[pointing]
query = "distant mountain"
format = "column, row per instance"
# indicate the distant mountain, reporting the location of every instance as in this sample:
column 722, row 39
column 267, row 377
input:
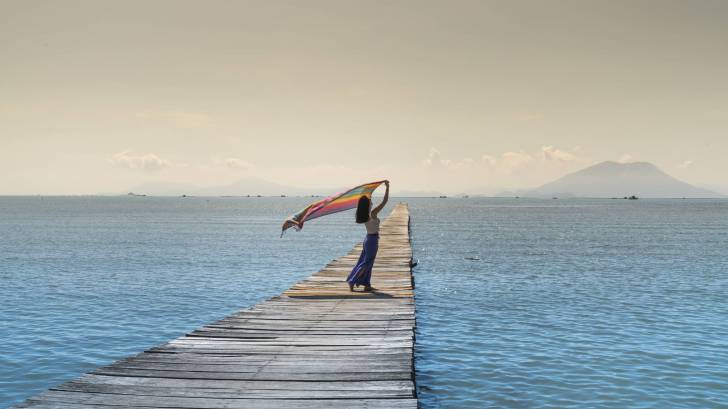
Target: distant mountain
column 245, row 186
column 612, row 179
column 722, row 189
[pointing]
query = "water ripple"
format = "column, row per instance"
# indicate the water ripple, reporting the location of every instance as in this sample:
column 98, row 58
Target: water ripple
column 589, row 304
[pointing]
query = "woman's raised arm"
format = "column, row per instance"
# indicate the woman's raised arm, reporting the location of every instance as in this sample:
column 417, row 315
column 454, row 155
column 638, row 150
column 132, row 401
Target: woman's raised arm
column 377, row 209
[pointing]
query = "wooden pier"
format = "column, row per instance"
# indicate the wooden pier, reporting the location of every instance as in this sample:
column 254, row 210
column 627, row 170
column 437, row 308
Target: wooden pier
column 315, row 346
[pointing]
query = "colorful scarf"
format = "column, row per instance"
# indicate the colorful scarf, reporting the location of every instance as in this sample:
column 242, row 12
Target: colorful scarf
column 332, row 204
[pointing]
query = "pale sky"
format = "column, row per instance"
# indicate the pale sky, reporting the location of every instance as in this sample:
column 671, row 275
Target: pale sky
column 453, row 96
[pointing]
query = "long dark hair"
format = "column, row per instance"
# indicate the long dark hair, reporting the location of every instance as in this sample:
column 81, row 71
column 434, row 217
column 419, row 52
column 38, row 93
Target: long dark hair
column 362, row 209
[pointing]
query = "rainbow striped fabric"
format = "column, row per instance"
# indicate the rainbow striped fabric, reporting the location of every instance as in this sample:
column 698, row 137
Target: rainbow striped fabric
column 332, row 204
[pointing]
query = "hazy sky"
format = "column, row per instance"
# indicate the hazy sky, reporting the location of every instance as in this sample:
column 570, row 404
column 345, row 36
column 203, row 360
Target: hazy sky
column 478, row 96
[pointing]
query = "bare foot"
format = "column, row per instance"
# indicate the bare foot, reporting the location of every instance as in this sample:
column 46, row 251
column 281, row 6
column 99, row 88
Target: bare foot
column 351, row 287
column 368, row 288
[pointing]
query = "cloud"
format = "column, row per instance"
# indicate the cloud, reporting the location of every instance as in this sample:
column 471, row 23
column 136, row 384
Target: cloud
column 434, row 159
column 178, row 119
column 626, row 158
column 228, row 163
column 686, row 164
column 488, row 160
column 514, row 160
column 551, row 153
column 142, row 161
column 235, row 163
column 506, row 162
column 495, row 171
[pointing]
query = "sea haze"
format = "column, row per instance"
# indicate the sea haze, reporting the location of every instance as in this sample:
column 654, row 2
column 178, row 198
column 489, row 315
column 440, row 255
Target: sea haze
column 520, row 302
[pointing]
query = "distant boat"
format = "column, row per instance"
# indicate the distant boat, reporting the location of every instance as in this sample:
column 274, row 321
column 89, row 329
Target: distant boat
column 134, row 194
column 443, row 197
column 283, row 195
column 473, row 258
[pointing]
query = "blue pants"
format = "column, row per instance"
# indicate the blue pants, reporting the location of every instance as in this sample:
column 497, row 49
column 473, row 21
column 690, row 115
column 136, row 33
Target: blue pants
column 361, row 274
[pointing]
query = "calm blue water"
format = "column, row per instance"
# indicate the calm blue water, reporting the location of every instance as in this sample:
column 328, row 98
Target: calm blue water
column 571, row 303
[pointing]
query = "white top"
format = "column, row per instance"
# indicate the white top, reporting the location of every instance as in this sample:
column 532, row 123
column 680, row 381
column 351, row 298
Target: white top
column 372, row 225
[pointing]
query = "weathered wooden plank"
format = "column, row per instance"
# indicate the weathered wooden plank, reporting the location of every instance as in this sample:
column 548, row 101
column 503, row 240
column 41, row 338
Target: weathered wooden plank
column 271, row 359
column 405, row 386
column 64, row 400
column 315, row 346
column 243, row 376
column 311, row 368
column 233, row 393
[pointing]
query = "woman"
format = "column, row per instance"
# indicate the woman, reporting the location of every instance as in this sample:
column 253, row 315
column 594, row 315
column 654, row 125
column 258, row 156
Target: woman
column 362, row 272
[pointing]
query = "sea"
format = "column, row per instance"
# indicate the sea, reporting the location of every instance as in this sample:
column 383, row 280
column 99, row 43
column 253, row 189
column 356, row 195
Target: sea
column 521, row 303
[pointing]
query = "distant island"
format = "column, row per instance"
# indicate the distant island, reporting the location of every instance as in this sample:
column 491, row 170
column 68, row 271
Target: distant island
column 614, row 179
column 251, row 187
column 605, row 179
